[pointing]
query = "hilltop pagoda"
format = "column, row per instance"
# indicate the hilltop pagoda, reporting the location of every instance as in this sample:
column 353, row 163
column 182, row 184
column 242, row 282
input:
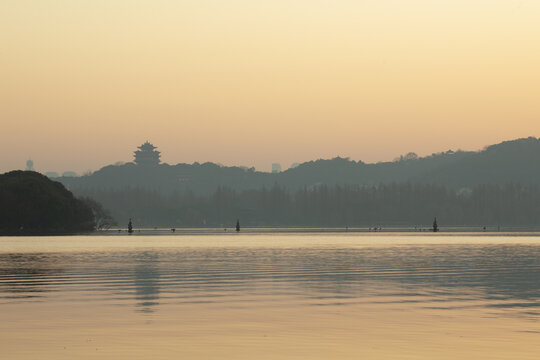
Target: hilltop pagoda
column 147, row 155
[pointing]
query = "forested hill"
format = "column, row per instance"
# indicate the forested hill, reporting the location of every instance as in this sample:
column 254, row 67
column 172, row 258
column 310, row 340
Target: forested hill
column 516, row 161
column 32, row 204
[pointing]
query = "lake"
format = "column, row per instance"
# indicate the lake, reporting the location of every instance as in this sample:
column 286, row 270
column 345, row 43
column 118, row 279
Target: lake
column 271, row 296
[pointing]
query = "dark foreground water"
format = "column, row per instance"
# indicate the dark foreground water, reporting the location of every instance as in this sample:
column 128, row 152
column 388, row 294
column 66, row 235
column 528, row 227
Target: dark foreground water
column 281, row 296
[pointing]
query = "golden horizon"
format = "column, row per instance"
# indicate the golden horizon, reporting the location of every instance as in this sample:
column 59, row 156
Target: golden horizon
column 243, row 83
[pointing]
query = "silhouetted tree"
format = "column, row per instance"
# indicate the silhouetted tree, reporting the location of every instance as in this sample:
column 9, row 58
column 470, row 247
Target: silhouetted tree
column 102, row 217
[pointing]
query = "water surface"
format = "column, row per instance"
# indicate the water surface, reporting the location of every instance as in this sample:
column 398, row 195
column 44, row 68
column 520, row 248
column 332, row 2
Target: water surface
column 271, row 296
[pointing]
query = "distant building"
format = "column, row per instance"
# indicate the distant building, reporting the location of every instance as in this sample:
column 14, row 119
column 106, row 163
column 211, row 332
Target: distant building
column 69, row 174
column 276, row 168
column 294, row 165
column 30, row 165
column 51, row 174
column 147, row 155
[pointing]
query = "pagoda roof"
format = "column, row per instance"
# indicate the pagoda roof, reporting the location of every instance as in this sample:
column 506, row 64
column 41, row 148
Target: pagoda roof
column 147, row 146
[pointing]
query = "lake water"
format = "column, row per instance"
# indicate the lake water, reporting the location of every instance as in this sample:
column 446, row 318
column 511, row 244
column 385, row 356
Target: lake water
column 271, row 296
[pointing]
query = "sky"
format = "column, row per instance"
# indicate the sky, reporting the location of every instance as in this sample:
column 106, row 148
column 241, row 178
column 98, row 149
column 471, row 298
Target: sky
column 243, row 82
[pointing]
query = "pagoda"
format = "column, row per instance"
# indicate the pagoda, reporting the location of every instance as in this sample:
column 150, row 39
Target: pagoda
column 147, row 155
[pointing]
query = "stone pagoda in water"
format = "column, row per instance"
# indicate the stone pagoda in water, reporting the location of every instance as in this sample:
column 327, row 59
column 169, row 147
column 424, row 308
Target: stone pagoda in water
column 147, row 155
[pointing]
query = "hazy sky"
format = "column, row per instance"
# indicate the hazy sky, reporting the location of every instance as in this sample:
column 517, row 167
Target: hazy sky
column 84, row 82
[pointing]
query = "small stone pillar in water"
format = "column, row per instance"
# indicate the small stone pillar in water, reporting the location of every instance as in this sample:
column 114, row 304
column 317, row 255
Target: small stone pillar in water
column 435, row 226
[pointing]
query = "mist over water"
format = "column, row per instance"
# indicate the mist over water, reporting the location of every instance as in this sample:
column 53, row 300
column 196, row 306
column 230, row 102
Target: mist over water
column 300, row 295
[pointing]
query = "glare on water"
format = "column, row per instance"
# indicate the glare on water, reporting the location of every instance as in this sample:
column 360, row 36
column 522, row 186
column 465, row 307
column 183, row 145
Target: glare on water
column 270, row 296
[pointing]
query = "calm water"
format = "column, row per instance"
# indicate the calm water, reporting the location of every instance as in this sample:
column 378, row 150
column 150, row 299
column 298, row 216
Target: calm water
column 281, row 296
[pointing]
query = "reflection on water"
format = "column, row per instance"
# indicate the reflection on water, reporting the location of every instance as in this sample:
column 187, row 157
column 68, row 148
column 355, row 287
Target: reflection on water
column 146, row 280
column 496, row 273
column 265, row 289
column 27, row 275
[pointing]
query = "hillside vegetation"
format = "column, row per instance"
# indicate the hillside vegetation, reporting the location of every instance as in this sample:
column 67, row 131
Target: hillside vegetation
column 516, row 161
column 32, row 204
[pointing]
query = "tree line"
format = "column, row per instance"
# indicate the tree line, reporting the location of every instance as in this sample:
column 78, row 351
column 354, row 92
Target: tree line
column 404, row 204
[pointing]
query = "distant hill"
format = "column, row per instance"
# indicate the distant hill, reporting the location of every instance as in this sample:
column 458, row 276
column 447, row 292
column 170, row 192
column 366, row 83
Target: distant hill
column 516, row 161
column 32, row 204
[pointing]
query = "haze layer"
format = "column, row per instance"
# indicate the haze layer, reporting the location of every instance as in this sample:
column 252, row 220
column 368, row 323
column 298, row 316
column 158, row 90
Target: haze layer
column 82, row 83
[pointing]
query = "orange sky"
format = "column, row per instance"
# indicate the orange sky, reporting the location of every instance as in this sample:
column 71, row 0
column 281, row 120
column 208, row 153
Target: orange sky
column 241, row 82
